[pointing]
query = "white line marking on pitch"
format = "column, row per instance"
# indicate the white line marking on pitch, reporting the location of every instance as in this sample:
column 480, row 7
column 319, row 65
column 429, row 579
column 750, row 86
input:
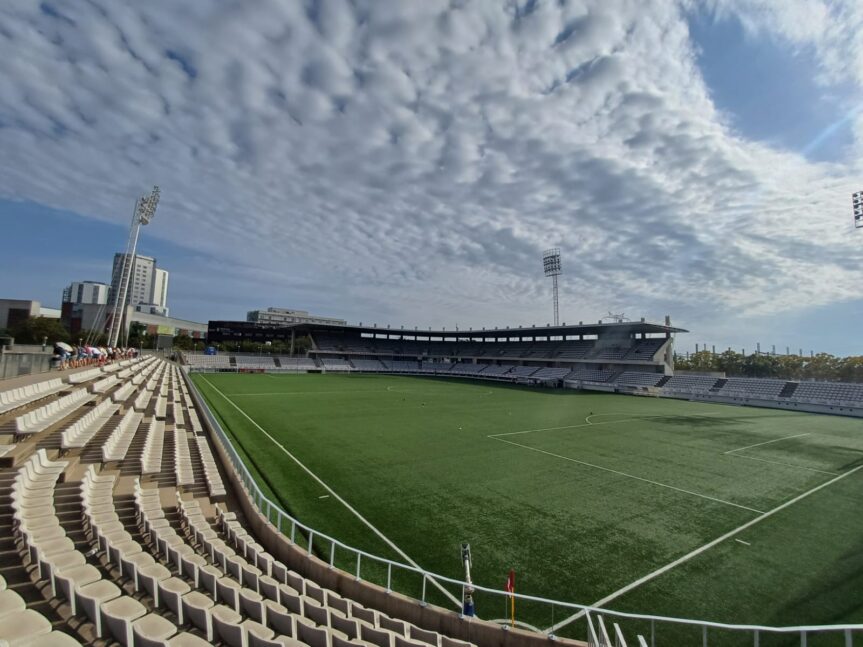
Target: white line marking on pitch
column 766, row 442
column 587, row 422
column 745, row 543
column 303, row 392
column 347, row 505
column 631, row 476
column 700, row 550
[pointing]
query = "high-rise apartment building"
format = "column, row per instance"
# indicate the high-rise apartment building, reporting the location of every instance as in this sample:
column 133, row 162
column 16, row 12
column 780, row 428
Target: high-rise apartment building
column 148, row 285
column 94, row 292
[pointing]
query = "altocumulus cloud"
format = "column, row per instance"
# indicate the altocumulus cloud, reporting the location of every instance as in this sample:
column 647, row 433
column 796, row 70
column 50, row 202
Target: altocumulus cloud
column 414, row 158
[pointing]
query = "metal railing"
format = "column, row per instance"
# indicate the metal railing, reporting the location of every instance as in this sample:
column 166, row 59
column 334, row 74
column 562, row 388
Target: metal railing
column 327, row 545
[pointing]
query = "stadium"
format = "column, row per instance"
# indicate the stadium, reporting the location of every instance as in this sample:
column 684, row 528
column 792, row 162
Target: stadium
column 173, row 475
column 383, row 488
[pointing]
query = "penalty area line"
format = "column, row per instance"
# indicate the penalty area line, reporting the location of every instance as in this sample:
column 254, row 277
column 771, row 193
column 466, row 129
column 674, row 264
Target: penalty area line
column 698, row 551
column 767, row 442
column 336, row 496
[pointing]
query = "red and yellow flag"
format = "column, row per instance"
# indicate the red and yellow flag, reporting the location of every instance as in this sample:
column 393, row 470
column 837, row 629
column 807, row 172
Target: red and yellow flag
column 510, row 588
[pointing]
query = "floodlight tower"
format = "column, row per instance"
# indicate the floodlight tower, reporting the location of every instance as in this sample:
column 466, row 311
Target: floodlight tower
column 145, row 209
column 551, row 266
column 857, row 206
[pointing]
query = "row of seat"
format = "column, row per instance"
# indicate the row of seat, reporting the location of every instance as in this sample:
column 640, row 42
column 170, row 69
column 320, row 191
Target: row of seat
column 84, row 376
column 50, row 413
column 118, row 442
column 182, row 457
column 36, row 524
column 22, row 396
column 101, row 386
column 151, row 455
column 211, row 469
column 82, row 431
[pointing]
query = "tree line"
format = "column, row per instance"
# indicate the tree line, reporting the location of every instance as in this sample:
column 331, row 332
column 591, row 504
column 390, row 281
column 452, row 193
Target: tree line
column 822, row 366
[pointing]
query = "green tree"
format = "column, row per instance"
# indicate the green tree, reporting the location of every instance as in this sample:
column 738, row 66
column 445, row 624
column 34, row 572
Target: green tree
column 183, row 342
column 821, row 367
column 35, row 329
column 851, row 369
column 731, row 362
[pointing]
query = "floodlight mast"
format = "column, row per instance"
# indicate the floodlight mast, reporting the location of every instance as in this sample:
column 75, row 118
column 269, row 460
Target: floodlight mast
column 142, row 214
column 551, row 267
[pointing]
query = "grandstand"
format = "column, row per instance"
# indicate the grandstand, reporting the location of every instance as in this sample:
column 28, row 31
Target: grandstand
column 632, row 357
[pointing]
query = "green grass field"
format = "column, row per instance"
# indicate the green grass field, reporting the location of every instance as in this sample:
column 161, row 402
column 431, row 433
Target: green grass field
column 581, row 494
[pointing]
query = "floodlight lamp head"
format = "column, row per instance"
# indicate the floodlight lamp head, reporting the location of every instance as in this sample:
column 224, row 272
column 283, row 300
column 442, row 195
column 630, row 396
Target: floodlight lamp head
column 551, row 262
column 857, row 203
column 147, row 206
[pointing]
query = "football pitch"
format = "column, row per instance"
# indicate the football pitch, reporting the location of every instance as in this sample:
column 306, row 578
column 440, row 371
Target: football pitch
column 645, row 505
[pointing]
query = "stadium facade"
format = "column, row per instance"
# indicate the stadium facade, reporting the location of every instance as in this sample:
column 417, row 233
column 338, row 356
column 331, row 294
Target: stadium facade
column 600, row 349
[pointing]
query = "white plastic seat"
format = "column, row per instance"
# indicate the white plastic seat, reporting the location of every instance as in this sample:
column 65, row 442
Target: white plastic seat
column 23, row 625
column 196, row 609
column 152, row 630
column 228, row 592
column 90, row 598
column 252, row 605
column 51, row 639
column 68, row 580
column 149, row 578
column 223, row 620
column 187, row 640
column 10, row 602
column 312, row 636
column 424, row 635
column 379, row 637
column 118, row 616
column 170, row 591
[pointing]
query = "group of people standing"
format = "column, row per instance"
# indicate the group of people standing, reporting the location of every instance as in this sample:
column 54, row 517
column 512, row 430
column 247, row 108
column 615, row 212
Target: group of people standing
column 67, row 356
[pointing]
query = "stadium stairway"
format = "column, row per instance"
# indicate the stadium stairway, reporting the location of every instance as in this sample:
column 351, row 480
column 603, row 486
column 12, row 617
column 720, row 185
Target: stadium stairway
column 719, row 384
column 789, row 389
column 662, row 382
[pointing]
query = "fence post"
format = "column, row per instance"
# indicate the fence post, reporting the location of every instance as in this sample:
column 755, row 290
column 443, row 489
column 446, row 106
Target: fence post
column 389, row 577
column 332, row 552
column 423, row 600
column 756, row 638
column 359, row 556
column 311, row 538
column 293, row 531
column 848, row 639
column 803, row 638
column 652, row 632
column 704, row 635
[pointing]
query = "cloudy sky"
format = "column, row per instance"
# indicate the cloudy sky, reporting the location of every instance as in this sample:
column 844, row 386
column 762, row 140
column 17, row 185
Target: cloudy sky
column 406, row 162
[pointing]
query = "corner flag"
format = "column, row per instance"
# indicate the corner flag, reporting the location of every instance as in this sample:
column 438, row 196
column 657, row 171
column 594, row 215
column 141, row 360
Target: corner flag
column 510, row 588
